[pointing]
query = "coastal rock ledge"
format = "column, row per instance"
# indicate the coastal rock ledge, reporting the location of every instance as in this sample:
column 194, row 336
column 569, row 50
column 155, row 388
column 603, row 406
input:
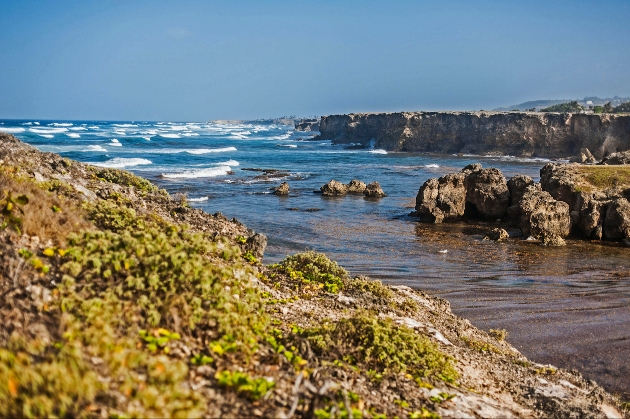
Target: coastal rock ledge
column 509, row 133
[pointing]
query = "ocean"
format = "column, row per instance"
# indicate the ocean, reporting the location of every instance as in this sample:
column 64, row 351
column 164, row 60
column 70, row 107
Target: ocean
column 568, row 306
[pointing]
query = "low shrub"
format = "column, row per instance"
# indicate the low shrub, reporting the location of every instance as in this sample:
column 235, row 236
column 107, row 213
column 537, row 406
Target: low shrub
column 311, row 267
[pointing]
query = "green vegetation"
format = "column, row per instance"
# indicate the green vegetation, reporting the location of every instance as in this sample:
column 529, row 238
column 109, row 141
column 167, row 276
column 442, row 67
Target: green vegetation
column 382, row 346
column 314, row 268
column 570, row 107
column 623, row 108
column 255, row 388
column 374, row 287
column 605, row 177
column 481, row 346
column 498, row 334
column 122, row 177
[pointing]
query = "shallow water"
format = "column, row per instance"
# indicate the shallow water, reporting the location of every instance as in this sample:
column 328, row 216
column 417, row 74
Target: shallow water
column 565, row 306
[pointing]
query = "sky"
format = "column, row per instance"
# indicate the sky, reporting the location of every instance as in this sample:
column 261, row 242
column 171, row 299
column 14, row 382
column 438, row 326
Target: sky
column 186, row 60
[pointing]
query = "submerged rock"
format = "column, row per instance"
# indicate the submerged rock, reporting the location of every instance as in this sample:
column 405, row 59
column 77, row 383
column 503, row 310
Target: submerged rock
column 283, row 189
column 497, row 234
column 374, row 190
column 333, row 188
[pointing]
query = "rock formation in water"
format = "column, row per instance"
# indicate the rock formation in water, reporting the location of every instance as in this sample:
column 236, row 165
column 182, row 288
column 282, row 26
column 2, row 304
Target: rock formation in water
column 283, row 189
column 588, row 201
column 307, row 125
column 507, row 133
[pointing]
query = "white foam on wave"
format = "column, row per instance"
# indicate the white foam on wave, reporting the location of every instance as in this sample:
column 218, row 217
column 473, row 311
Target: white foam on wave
column 47, row 135
column 45, row 130
column 95, row 148
column 12, row 130
column 94, row 127
column 190, row 134
column 121, row 162
column 147, row 138
column 170, row 135
column 432, row 166
column 63, row 124
column 78, row 129
column 200, row 199
column 125, row 125
column 289, row 145
column 120, row 132
column 73, row 135
column 209, row 150
column 27, row 123
column 194, row 174
column 378, row 151
column 228, row 163
column 115, row 143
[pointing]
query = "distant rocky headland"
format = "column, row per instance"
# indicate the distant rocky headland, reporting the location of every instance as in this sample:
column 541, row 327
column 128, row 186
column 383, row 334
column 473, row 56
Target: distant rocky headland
column 528, row 134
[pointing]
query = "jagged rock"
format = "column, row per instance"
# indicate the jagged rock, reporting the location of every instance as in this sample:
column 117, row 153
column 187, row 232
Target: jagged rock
column 542, row 217
column 442, row 199
column 355, row 186
column 334, row 187
column 617, row 221
column 283, row 189
column 589, row 156
column 497, row 234
column 257, row 243
column 373, row 190
column 560, row 181
column 517, row 186
column 580, row 158
column 474, row 167
column 622, row 157
column 487, row 194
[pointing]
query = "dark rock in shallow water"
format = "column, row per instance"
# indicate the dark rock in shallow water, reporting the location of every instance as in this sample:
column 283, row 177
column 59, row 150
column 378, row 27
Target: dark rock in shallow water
column 283, row 189
column 355, row 186
column 497, row 234
column 373, row 190
column 543, row 218
column 443, row 199
column 487, row 194
column 617, row 221
column 334, row 188
column 517, row 186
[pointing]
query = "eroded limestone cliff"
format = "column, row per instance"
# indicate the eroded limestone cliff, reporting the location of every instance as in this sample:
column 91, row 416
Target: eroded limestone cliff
column 509, row 133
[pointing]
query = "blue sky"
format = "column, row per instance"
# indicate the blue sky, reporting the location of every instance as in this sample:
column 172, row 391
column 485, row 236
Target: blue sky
column 237, row 59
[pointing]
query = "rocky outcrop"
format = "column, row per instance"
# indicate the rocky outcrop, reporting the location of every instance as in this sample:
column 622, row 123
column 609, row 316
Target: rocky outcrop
column 487, row 193
column 617, row 221
column 333, row 188
column 374, row 190
column 443, row 199
column 517, row 186
column 617, row 158
column 476, row 192
column 283, row 189
column 307, row 125
column 510, row 133
column 584, row 156
column 355, row 186
column 542, row 217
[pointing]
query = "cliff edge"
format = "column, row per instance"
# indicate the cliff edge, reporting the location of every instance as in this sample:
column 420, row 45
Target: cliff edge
column 528, row 134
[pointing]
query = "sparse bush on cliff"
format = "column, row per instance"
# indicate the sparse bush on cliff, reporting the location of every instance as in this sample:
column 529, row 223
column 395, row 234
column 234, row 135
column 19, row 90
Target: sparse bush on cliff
column 311, row 267
column 623, row 108
column 571, row 107
column 381, row 345
column 122, row 177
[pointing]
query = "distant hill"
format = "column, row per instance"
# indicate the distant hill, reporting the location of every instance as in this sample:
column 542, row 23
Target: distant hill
column 586, row 102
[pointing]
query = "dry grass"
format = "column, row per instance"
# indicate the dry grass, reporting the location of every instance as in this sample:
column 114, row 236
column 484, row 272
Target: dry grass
column 606, row 177
column 27, row 209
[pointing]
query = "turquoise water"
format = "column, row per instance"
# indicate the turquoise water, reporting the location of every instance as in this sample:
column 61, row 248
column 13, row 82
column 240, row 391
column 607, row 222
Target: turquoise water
column 568, row 306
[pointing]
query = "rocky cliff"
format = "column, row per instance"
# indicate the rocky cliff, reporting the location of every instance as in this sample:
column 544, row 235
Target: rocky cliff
column 508, row 133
